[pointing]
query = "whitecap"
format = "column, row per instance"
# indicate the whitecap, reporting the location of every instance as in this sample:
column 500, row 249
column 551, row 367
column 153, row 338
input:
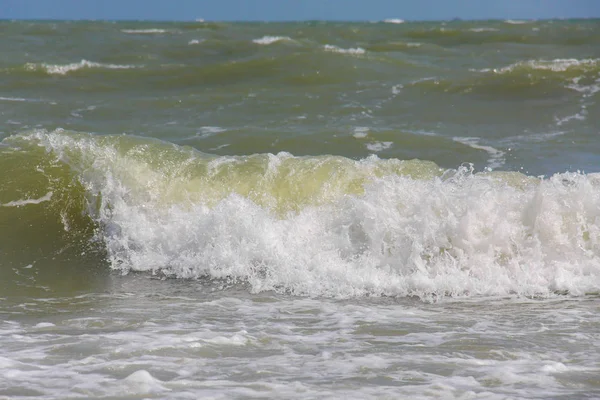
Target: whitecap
column 266, row 40
column 142, row 382
column 62, row 69
column 144, row 31
column 484, row 30
column 12, row 99
column 352, row 51
column 556, row 65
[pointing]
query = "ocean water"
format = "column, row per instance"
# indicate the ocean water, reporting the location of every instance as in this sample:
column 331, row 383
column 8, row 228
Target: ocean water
column 300, row 210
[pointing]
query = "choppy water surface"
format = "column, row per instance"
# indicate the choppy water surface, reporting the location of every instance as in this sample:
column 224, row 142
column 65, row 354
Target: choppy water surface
column 300, row 210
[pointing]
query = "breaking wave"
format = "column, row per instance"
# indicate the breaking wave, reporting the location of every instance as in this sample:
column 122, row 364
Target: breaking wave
column 323, row 226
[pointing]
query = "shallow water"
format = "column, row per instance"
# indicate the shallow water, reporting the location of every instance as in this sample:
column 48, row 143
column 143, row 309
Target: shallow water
column 152, row 338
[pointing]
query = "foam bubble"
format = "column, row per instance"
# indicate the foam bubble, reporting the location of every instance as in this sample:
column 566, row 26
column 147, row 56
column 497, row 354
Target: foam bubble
column 393, row 21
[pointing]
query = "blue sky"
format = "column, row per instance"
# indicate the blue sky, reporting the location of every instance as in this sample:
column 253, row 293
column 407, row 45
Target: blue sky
column 285, row 10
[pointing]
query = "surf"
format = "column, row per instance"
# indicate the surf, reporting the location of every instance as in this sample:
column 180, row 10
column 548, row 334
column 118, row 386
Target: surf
column 327, row 225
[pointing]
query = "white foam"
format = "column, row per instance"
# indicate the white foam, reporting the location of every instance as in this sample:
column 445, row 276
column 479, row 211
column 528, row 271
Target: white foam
column 580, row 116
column 12, row 99
column 24, row 202
column 396, row 89
column 142, row 382
column 516, row 22
column 361, row 132
column 535, row 137
column 266, row 40
column 556, row 65
column 393, row 21
column 352, row 51
column 206, row 131
column 62, row 69
column 586, row 90
column 45, row 325
column 496, row 159
column 195, row 41
column 378, row 146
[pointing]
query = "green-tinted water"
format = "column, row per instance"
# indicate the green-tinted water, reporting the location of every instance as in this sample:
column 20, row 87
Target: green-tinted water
column 299, row 210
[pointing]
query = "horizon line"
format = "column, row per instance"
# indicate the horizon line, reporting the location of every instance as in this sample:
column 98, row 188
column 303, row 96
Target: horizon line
column 400, row 21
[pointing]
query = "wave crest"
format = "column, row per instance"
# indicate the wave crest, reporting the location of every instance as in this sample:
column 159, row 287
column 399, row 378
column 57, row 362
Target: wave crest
column 63, row 69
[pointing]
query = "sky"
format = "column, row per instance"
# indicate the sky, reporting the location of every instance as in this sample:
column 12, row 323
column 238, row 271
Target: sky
column 286, row 10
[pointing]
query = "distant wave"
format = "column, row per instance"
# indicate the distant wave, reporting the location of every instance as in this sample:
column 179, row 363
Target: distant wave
column 266, row 40
column 62, row 69
column 516, row 22
column 484, row 30
column 353, row 51
column 393, row 21
column 144, row 31
column 557, row 65
column 12, row 99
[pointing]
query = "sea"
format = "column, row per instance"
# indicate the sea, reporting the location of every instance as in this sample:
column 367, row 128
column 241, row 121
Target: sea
column 300, row 210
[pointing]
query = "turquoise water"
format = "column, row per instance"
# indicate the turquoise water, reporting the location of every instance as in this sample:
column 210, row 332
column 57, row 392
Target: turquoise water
column 299, row 210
